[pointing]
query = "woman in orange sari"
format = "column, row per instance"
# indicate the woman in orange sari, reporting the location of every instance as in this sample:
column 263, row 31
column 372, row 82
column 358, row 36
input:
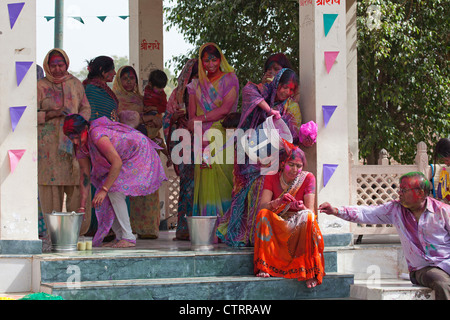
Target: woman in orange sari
column 288, row 241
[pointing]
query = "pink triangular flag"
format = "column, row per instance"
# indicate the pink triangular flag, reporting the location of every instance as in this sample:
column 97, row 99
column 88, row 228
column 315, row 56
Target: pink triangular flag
column 14, row 10
column 327, row 113
column 16, row 113
column 330, row 57
column 22, row 68
column 14, row 158
column 328, row 171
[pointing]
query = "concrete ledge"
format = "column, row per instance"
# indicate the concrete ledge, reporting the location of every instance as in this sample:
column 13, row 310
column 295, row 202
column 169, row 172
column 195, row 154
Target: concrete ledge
column 338, row 239
column 20, row 246
column 389, row 289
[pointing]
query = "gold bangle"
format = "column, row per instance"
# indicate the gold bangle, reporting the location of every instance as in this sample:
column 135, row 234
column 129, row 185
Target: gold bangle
column 105, row 189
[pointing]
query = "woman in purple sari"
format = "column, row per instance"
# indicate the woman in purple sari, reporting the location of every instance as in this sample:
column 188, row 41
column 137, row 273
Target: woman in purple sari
column 124, row 163
column 274, row 98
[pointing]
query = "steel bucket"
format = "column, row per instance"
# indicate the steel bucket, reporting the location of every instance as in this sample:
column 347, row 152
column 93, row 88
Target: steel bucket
column 64, row 229
column 202, row 232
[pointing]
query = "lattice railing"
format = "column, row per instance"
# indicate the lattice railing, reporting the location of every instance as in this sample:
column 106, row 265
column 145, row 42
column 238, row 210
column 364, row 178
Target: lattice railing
column 378, row 184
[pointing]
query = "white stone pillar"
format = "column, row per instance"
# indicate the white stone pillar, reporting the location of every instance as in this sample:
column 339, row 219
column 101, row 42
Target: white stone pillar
column 18, row 188
column 320, row 87
column 146, row 37
column 146, row 54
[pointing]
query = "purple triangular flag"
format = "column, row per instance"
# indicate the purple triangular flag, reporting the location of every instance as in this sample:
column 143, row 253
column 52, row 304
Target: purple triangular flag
column 328, row 171
column 327, row 113
column 22, row 68
column 15, row 114
column 14, row 10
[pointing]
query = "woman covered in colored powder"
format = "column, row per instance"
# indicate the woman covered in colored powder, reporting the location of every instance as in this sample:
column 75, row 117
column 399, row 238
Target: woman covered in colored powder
column 175, row 118
column 59, row 94
column 211, row 97
column 273, row 98
column 124, row 163
column 288, row 241
column 144, row 210
column 104, row 102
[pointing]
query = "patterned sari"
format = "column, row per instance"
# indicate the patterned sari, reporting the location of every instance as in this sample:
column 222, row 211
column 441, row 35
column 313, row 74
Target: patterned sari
column 213, row 181
column 144, row 210
column 237, row 226
column 141, row 174
column 184, row 170
column 289, row 244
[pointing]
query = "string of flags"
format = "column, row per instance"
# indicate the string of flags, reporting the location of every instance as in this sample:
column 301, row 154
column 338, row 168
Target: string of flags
column 22, row 67
column 328, row 110
column 80, row 19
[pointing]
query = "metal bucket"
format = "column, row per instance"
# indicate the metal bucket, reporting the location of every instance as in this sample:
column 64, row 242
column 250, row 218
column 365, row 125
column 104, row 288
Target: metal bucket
column 202, row 232
column 64, row 229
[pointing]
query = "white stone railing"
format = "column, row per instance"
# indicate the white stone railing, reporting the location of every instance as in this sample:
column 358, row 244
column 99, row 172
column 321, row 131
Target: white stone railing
column 378, row 184
column 369, row 185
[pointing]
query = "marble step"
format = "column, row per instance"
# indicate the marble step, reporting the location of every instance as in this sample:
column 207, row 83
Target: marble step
column 334, row 285
column 389, row 289
column 149, row 264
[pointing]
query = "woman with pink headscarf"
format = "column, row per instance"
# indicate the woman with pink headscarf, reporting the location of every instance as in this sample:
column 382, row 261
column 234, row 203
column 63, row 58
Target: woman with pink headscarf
column 59, row 94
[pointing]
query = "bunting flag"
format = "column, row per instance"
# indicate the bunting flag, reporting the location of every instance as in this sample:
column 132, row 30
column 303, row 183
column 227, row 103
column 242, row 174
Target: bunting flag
column 22, row 68
column 14, row 10
column 327, row 113
column 14, row 158
column 328, row 171
column 328, row 21
column 15, row 114
column 80, row 19
column 330, row 58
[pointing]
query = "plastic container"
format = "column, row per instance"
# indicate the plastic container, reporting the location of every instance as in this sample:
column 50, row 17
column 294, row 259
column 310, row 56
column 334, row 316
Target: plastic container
column 266, row 136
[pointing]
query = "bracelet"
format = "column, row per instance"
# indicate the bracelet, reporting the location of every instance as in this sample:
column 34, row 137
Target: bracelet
column 105, row 189
column 205, row 117
column 81, row 208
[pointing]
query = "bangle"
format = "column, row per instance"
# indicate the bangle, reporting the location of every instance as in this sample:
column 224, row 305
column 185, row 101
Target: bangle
column 205, row 117
column 105, row 189
column 81, row 209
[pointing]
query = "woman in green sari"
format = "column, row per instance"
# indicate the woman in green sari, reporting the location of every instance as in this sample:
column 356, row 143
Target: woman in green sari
column 211, row 97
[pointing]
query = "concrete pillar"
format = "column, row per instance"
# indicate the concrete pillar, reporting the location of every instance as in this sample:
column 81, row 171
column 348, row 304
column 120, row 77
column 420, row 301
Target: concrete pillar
column 146, row 37
column 18, row 189
column 319, row 88
column 146, row 54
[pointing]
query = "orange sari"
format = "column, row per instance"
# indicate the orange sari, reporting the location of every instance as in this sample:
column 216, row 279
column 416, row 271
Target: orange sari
column 289, row 245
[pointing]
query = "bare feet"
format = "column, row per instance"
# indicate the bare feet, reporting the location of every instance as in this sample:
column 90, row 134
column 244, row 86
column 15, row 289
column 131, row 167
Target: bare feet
column 110, row 244
column 311, row 283
column 123, row 244
column 262, row 274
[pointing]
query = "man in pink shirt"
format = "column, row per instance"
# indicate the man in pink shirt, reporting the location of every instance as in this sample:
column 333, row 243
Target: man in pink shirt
column 423, row 225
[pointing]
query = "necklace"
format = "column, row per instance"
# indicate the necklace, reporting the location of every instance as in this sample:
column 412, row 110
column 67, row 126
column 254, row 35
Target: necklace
column 284, row 181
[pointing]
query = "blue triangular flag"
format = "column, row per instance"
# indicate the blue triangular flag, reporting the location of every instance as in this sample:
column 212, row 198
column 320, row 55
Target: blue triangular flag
column 328, row 21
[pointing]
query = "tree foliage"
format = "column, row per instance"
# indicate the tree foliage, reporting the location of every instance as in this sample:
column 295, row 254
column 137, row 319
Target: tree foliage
column 403, row 68
column 247, row 31
column 403, row 76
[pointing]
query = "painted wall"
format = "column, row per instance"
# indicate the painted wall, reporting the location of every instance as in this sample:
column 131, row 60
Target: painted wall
column 18, row 189
column 320, row 87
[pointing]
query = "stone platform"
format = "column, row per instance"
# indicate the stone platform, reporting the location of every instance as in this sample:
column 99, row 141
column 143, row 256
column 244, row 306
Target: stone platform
column 166, row 269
